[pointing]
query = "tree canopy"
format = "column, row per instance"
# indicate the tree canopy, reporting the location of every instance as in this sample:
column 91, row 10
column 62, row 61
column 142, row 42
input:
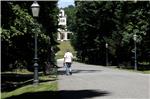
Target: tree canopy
column 18, row 28
column 114, row 23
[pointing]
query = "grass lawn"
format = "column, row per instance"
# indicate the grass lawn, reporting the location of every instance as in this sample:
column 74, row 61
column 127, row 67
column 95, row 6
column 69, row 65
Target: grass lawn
column 139, row 71
column 146, row 72
column 42, row 87
column 47, row 87
column 64, row 45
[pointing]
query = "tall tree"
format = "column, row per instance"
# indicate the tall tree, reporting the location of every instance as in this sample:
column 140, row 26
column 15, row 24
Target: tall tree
column 70, row 12
column 18, row 28
column 115, row 23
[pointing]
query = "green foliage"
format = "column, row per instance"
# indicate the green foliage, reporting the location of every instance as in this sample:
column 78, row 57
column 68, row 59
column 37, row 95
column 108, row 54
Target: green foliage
column 115, row 23
column 70, row 12
column 18, row 30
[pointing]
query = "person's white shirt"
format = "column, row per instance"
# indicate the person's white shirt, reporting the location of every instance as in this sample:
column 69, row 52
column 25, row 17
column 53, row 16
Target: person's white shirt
column 68, row 57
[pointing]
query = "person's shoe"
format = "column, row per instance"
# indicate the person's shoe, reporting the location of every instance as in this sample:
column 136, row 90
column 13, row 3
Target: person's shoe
column 70, row 73
column 67, row 74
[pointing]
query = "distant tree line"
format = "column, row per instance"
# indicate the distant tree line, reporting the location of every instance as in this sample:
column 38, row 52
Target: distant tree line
column 17, row 34
column 100, row 22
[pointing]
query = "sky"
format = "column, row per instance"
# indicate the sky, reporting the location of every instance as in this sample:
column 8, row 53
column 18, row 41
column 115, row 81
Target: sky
column 65, row 3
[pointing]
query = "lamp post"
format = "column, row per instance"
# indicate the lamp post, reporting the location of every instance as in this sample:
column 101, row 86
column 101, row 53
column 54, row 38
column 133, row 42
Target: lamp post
column 135, row 51
column 35, row 11
column 106, row 45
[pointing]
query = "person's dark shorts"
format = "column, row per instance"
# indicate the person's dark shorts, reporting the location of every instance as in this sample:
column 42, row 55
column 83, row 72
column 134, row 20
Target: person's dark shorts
column 68, row 64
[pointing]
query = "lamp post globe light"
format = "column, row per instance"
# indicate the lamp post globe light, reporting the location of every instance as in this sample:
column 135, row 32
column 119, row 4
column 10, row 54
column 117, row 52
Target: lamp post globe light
column 135, row 51
column 35, row 11
column 106, row 45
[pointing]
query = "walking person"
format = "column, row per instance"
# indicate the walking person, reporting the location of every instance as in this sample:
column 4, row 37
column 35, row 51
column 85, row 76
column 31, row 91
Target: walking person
column 68, row 59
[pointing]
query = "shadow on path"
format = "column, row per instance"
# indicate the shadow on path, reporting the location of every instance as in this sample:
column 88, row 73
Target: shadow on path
column 81, row 94
column 63, row 94
column 12, row 81
column 75, row 71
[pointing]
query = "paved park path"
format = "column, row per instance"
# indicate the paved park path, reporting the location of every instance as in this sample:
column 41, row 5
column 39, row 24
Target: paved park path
column 97, row 82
